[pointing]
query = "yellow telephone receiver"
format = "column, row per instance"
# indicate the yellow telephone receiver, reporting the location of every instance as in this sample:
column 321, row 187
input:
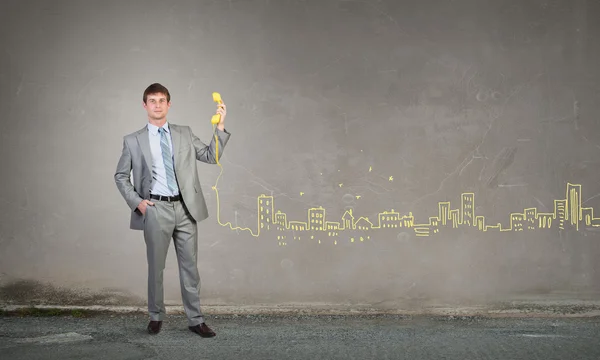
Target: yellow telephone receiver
column 216, row 98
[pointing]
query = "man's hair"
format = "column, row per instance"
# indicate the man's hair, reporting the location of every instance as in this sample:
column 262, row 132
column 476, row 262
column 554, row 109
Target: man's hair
column 156, row 88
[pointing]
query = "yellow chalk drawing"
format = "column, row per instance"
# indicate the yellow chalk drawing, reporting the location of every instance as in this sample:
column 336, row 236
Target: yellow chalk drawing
column 567, row 212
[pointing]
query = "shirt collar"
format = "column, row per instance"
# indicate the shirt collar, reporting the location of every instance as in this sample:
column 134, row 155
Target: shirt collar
column 154, row 129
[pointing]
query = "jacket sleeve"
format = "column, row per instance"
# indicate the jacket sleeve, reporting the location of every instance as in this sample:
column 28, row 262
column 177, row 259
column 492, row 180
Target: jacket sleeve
column 208, row 153
column 123, row 179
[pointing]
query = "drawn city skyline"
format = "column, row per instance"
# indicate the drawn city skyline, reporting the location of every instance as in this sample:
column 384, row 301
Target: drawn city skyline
column 568, row 212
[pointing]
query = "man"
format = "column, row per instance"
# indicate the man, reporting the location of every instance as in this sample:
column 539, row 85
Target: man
column 167, row 201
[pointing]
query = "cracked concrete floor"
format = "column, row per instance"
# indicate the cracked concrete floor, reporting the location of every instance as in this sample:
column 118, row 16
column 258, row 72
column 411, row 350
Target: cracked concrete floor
column 117, row 336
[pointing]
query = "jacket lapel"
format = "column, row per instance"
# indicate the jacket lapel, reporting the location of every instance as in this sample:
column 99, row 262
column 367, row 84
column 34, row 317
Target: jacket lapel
column 176, row 138
column 142, row 138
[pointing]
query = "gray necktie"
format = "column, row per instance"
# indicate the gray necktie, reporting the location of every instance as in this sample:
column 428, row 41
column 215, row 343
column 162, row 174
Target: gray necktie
column 167, row 160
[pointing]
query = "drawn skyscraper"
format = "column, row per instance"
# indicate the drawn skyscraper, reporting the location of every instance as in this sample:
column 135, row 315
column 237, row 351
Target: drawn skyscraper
column 265, row 212
column 573, row 213
column 467, row 215
column 444, row 212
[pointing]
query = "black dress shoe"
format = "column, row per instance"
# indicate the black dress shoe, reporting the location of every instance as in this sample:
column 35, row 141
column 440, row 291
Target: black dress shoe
column 202, row 330
column 154, row 327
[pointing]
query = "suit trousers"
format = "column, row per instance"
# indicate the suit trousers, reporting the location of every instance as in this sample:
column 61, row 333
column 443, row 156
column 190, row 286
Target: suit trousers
column 162, row 222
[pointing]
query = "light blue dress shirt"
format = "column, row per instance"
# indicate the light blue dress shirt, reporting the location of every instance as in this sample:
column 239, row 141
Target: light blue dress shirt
column 159, row 186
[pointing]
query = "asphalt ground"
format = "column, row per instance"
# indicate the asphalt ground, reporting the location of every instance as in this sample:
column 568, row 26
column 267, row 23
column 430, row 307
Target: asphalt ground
column 80, row 335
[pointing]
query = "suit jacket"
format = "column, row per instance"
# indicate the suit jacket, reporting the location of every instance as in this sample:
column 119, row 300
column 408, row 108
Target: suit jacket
column 187, row 149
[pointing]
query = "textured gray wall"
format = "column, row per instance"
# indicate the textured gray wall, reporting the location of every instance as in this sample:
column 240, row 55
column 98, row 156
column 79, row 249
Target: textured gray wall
column 405, row 104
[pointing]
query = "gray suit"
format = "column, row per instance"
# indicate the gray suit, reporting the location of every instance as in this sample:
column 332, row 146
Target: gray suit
column 177, row 220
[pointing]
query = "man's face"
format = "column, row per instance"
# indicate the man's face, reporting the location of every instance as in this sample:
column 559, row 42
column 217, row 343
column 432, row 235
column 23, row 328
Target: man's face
column 157, row 106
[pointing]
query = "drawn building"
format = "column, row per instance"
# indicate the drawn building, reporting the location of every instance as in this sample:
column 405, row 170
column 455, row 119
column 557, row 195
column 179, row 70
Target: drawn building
column 444, row 212
column 516, row 222
column 389, row 219
column 573, row 213
column 480, row 222
column 530, row 217
column 333, row 228
column 455, row 218
column 408, row 221
column 348, row 220
column 587, row 215
column 316, row 219
column 467, row 208
column 280, row 220
column 297, row 226
column 544, row 220
column 363, row 224
column 265, row 212
column 434, row 225
column 560, row 213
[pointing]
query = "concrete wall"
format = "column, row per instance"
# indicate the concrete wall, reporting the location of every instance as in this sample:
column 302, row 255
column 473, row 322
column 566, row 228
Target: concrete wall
column 353, row 106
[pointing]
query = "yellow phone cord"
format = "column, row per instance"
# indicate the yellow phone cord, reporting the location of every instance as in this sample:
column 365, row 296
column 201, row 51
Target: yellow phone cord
column 217, row 99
